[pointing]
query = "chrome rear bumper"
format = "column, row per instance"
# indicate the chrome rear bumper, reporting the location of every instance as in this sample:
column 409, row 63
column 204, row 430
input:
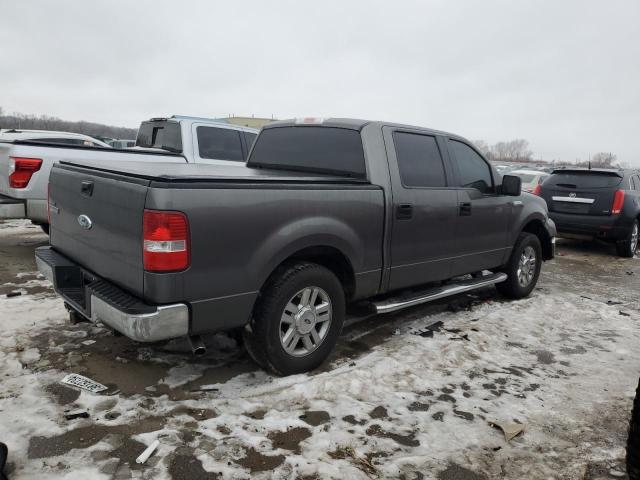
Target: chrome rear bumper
column 138, row 321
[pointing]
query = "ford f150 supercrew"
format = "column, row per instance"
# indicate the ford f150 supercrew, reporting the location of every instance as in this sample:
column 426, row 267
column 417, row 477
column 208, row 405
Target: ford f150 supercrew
column 325, row 213
column 25, row 162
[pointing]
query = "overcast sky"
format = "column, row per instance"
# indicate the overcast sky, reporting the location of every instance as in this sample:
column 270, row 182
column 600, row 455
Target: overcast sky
column 564, row 75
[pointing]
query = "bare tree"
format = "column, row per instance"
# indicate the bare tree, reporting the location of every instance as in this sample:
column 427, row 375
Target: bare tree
column 46, row 122
column 484, row 148
column 511, row 151
column 599, row 160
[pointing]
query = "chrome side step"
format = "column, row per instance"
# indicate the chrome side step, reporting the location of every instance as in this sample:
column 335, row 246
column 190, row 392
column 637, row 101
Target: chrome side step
column 398, row 303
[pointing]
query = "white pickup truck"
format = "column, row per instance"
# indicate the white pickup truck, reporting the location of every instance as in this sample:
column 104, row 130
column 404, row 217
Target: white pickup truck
column 26, row 159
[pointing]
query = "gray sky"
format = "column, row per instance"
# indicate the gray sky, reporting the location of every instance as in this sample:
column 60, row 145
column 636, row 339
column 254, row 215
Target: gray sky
column 565, row 75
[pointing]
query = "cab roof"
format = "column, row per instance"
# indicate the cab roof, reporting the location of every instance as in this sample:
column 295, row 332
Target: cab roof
column 353, row 124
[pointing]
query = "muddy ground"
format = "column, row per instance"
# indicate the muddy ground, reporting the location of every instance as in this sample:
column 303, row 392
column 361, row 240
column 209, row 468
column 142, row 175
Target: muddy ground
column 219, row 416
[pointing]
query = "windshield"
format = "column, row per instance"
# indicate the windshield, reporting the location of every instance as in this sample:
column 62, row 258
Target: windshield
column 526, row 177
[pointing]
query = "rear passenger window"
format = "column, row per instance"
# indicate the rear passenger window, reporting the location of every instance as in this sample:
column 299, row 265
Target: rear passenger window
column 219, row 144
column 474, row 171
column 419, row 160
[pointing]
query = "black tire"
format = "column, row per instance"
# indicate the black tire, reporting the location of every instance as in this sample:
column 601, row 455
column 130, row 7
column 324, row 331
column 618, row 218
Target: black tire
column 512, row 287
column 262, row 334
column 627, row 248
column 4, row 453
column 633, row 443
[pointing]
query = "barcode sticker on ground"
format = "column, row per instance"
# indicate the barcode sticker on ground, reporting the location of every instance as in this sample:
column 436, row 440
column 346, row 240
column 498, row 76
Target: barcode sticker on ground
column 84, row 383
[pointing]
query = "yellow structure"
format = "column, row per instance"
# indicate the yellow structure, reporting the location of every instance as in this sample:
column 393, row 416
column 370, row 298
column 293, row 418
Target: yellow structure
column 255, row 122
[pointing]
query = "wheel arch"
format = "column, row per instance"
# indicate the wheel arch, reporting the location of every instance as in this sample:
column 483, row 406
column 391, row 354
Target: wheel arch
column 328, row 256
column 536, row 227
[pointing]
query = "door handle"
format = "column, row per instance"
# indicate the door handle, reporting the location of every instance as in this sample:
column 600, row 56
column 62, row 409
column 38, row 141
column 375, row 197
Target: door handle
column 404, row 211
column 465, row 209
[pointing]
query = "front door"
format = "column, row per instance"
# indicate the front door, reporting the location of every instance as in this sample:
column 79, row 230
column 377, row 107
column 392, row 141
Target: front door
column 424, row 209
column 483, row 214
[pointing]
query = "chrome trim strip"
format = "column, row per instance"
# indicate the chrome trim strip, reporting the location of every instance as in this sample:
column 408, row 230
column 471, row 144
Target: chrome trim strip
column 441, row 292
column 573, row 199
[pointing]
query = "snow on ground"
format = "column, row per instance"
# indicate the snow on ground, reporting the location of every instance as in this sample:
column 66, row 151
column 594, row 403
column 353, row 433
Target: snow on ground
column 397, row 400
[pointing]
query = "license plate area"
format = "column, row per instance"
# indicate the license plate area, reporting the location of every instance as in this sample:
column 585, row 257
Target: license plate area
column 566, row 207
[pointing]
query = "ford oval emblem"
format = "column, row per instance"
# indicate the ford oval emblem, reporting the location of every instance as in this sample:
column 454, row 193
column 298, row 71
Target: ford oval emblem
column 85, row 222
column 572, row 195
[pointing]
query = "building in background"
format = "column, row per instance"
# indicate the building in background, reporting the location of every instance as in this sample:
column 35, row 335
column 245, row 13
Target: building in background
column 255, row 122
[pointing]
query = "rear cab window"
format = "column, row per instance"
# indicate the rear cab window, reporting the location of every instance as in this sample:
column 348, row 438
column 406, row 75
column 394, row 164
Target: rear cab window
column 331, row 150
column 163, row 134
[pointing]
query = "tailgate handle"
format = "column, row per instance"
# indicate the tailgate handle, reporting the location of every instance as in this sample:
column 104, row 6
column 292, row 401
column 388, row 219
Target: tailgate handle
column 87, row 188
column 465, row 209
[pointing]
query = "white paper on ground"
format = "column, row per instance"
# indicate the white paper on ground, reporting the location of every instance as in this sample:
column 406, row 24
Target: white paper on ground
column 144, row 456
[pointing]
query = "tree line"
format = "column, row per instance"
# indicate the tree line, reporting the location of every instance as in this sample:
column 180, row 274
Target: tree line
column 46, row 122
column 518, row 151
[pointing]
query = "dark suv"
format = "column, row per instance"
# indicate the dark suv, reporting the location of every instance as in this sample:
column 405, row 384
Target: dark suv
column 595, row 203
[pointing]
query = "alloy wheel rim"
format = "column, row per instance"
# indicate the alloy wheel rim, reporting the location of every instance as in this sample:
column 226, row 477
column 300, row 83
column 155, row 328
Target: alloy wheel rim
column 526, row 266
column 634, row 238
column 305, row 322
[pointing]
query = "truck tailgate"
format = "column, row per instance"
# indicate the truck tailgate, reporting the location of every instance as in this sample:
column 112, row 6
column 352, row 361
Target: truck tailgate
column 96, row 220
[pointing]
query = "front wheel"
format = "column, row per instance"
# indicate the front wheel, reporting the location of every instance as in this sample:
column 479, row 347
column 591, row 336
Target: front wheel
column 523, row 268
column 297, row 319
column 627, row 247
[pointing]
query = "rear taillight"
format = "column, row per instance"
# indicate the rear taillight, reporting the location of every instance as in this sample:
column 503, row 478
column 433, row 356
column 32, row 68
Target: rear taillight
column 618, row 202
column 23, row 170
column 165, row 241
column 537, row 190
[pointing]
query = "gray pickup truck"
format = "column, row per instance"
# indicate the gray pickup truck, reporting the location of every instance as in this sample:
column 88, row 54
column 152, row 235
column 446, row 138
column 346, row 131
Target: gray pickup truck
column 325, row 213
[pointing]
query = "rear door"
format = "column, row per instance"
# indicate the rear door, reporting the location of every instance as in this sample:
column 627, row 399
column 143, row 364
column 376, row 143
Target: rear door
column 424, row 208
column 483, row 215
column 96, row 220
column 581, row 192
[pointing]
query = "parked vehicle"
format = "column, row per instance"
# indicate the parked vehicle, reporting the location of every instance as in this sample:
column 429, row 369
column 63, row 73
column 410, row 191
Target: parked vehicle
column 122, row 143
column 530, row 178
column 26, row 160
column 595, row 203
column 46, row 136
column 325, row 213
column 633, row 442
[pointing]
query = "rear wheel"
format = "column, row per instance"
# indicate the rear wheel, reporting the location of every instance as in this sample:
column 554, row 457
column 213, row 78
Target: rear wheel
column 633, row 443
column 627, row 247
column 523, row 268
column 297, row 320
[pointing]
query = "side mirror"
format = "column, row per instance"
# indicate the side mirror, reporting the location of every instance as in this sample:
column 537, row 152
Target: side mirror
column 511, row 185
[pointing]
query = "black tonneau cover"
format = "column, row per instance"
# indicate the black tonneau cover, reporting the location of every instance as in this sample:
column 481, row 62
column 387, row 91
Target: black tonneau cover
column 200, row 172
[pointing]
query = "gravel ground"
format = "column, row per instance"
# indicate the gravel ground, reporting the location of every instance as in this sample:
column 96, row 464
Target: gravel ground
column 404, row 396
